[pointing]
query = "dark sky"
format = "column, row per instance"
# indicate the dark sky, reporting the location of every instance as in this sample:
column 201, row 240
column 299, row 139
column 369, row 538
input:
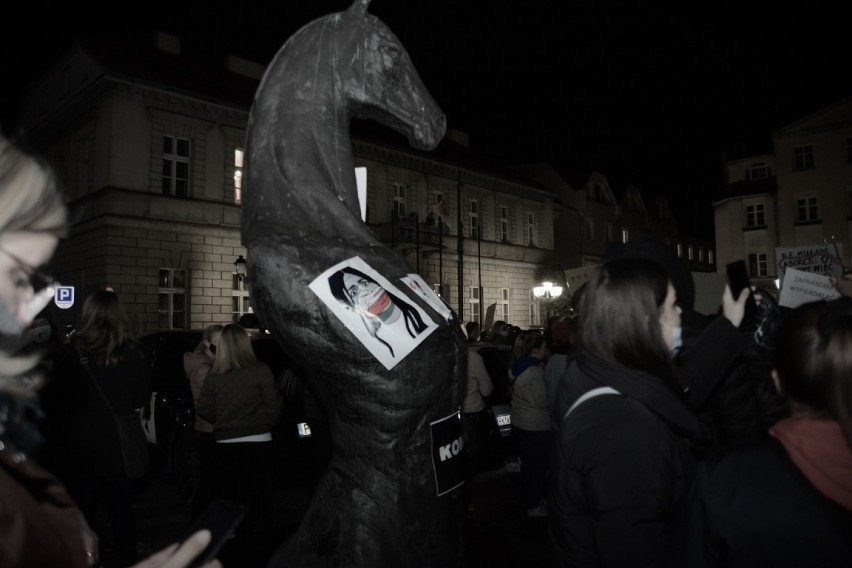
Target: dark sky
column 649, row 93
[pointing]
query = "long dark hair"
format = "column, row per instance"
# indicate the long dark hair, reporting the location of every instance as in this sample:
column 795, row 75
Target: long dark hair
column 620, row 317
column 813, row 359
column 413, row 322
column 103, row 327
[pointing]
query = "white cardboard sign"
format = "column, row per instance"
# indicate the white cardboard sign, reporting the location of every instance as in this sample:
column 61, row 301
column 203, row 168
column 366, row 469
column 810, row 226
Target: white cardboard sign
column 802, row 287
column 818, row 259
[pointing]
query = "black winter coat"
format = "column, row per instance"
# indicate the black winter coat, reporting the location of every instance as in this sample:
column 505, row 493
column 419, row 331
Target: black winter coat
column 618, row 466
column 751, row 506
column 82, row 434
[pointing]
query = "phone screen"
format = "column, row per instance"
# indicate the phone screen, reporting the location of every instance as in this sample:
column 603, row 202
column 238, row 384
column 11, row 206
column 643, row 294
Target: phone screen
column 737, row 277
column 221, row 518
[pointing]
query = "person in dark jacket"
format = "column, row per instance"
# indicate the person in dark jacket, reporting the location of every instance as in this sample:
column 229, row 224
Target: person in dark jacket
column 84, row 432
column 240, row 398
column 718, row 368
column 40, row 525
column 785, row 501
column 196, row 366
column 622, row 421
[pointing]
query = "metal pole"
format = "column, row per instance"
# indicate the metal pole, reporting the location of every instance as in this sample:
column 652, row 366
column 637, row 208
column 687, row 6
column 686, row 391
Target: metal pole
column 460, row 247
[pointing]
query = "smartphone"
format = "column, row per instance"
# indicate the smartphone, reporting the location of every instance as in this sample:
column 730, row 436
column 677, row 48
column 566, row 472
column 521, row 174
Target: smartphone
column 221, row 518
column 737, row 277
column 738, row 280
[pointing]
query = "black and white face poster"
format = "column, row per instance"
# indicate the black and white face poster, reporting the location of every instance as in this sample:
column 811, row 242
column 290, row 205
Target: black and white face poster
column 373, row 309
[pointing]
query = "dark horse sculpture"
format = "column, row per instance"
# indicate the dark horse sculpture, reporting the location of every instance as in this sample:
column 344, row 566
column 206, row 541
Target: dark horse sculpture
column 377, row 503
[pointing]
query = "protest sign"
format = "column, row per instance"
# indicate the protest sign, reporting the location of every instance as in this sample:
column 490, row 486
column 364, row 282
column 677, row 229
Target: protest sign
column 801, row 287
column 817, row 259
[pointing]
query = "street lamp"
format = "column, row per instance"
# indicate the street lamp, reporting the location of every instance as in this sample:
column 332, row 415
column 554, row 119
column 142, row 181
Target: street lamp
column 547, row 290
column 240, row 268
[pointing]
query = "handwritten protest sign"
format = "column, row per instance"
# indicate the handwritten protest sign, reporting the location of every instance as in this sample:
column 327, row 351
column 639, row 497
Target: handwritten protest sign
column 801, row 287
column 817, row 259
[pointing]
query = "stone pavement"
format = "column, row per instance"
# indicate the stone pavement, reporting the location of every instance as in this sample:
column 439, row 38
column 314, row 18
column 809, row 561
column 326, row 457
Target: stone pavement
column 500, row 534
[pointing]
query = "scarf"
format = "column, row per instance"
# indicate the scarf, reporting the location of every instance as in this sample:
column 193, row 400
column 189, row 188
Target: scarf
column 819, row 450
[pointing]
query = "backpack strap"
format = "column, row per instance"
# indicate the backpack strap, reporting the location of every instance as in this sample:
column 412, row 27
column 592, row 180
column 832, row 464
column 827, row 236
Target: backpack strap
column 586, row 396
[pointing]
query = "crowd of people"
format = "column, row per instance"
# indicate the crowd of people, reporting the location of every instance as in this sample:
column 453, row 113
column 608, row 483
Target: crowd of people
column 647, row 433
column 677, row 439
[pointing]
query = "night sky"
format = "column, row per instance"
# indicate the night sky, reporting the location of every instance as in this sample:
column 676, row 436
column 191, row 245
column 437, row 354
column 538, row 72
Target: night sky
column 650, row 93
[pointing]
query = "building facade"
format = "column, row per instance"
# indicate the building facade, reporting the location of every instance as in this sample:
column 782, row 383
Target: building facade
column 800, row 195
column 150, row 149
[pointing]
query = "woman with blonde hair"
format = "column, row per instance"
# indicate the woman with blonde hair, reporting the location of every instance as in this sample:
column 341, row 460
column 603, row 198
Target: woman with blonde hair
column 240, row 398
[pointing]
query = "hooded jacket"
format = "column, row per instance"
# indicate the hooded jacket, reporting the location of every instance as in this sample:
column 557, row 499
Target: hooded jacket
column 618, row 466
column 783, row 502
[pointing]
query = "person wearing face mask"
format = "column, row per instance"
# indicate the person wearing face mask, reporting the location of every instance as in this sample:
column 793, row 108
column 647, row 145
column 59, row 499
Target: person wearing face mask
column 622, row 422
column 734, row 399
column 40, row 525
column 379, row 309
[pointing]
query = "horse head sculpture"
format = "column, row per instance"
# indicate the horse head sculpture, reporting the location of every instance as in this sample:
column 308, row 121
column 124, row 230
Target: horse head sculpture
column 377, row 504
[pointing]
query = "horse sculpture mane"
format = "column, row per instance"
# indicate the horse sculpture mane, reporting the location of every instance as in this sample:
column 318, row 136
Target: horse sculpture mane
column 377, row 504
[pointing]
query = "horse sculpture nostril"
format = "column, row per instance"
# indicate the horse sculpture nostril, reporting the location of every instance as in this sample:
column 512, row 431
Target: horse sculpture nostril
column 441, row 126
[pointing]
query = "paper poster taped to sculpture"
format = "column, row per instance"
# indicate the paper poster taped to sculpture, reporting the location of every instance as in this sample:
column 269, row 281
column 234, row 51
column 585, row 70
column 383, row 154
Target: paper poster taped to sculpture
column 803, row 287
column 373, row 309
column 448, row 456
column 419, row 286
column 817, row 259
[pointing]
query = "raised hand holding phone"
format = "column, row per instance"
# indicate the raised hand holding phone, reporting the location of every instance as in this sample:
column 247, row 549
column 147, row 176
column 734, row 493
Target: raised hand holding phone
column 738, row 280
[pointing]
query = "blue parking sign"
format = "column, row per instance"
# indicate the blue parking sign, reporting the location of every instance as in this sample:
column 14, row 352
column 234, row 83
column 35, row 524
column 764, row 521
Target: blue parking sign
column 64, row 297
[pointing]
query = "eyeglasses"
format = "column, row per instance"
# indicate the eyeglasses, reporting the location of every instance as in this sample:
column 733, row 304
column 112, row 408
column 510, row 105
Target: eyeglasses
column 35, row 278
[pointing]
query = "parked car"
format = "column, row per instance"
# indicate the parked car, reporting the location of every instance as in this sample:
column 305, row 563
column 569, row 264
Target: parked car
column 301, row 440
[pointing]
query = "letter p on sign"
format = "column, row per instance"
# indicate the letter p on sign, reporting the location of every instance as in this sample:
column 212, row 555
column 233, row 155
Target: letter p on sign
column 64, row 297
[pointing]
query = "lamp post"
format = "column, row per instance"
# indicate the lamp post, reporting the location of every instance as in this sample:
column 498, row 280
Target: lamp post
column 547, row 290
column 240, row 268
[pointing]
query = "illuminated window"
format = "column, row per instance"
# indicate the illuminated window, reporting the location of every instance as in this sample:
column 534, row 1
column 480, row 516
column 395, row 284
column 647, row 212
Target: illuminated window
column 534, row 309
column 240, row 300
column 504, row 304
column 238, row 176
column 474, row 303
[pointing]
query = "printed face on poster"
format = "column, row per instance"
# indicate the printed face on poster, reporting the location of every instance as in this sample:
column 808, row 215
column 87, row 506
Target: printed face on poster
column 373, row 309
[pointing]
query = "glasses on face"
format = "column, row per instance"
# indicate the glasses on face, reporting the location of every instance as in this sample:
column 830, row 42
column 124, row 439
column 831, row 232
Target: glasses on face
column 29, row 276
